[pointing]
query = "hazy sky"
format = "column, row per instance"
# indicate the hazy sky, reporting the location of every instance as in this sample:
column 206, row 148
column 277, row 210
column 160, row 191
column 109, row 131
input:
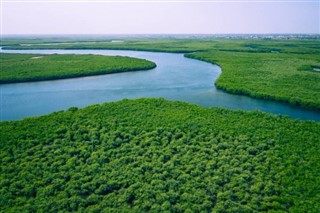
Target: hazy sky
column 162, row 17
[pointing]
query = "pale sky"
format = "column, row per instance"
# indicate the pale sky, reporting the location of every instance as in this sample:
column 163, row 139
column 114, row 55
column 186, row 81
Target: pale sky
column 159, row 17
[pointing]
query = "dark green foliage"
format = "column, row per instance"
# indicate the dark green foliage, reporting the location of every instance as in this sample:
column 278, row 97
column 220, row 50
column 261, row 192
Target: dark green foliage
column 154, row 155
column 27, row 67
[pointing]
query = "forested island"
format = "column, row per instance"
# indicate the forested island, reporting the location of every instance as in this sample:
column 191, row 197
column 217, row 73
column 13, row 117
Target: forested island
column 36, row 67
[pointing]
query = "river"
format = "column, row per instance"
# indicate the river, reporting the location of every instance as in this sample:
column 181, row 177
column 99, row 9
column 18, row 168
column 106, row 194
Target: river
column 174, row 78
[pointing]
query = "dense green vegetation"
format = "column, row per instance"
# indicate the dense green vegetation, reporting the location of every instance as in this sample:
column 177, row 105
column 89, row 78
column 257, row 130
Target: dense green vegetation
column 276, row 69
column 28, row 67
column 160, row 156
column 282, row 77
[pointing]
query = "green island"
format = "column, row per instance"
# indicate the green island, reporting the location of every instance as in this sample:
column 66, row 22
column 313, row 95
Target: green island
column 273, row 69
column 154, row 155
column 30, row 67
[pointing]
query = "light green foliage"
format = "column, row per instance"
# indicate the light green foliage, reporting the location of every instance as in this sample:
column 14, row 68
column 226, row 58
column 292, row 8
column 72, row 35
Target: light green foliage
column 160, row 156
column 160, row 45
column 179, row 45
column 29, row 67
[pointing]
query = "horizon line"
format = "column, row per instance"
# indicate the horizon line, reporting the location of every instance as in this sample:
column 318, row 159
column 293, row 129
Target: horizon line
column 17, row 34
column 160, row 1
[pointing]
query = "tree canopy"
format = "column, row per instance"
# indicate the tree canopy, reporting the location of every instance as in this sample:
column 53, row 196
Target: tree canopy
column 156, row 155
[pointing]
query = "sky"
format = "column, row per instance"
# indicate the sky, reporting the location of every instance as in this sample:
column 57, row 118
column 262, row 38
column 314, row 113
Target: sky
column 159, row 17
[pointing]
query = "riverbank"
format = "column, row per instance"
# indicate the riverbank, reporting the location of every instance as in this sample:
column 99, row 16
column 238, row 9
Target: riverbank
column 16, row 68
column 285, row 77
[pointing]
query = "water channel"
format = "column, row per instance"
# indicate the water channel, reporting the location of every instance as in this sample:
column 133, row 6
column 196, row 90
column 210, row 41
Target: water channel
column 174, row 78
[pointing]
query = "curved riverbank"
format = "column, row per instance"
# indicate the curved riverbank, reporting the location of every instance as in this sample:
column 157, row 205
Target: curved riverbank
column 16, row 68
column 267, row 76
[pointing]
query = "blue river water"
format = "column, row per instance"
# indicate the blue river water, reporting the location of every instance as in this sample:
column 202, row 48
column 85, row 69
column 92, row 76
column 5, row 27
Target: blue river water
column 174, row 78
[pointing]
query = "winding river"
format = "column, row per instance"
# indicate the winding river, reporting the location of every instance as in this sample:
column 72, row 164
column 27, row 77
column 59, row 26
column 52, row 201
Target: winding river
column 174, row 78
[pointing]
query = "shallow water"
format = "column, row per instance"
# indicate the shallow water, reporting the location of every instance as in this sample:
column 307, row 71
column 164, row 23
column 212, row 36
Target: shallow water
column 174, row 78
